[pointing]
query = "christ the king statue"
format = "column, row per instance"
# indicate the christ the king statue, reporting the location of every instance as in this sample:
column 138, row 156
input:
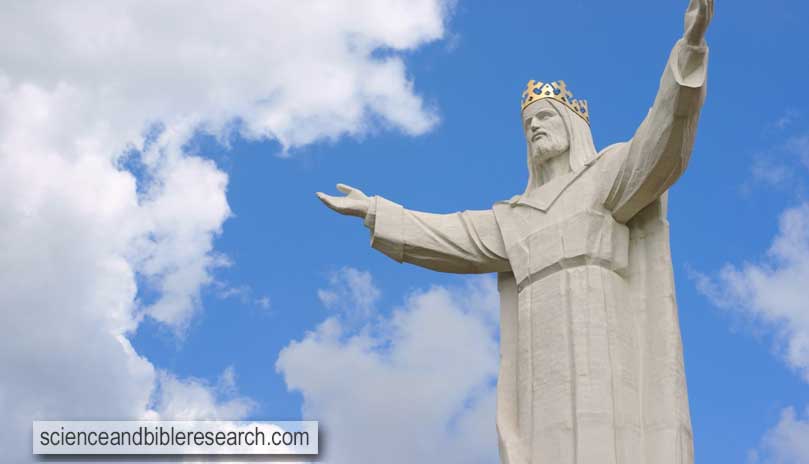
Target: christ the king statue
column 591, row 359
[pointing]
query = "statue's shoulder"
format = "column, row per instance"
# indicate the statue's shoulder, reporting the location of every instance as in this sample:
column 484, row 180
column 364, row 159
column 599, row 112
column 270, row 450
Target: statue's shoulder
column 505, row 210
column 609, row 160
column 613, row 151
column 612, row 155
column 503, row 206
column 511, row 201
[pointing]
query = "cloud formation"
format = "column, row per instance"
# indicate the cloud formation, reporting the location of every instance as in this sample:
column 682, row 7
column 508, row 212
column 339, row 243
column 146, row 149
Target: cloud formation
column 772, row 292
column 418, row 386
column 351, row 291
column 195, row 399
column 786, row 442
column 99, row 197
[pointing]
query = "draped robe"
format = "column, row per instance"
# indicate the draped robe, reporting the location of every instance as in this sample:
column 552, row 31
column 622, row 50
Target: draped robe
column 591, row 363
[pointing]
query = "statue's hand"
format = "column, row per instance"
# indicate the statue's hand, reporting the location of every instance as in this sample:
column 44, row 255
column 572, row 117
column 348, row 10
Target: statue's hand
column 354, row 203
column 697, row 18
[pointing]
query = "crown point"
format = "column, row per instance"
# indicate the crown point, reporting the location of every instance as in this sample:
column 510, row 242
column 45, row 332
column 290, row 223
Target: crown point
column 537, row 90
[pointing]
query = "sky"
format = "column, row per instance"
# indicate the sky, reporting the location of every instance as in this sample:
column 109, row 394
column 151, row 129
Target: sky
column 166, row 257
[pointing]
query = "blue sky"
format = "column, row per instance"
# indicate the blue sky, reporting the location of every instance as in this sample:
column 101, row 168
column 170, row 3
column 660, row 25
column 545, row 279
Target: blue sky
column 266, row 260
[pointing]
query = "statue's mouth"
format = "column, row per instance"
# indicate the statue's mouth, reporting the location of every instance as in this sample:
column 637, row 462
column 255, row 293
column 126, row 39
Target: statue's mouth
column 538, row 135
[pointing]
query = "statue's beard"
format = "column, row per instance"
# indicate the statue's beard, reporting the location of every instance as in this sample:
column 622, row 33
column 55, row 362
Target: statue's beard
column 548, row 147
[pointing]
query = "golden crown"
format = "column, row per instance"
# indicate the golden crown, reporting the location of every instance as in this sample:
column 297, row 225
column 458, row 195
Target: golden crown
column 537, row 90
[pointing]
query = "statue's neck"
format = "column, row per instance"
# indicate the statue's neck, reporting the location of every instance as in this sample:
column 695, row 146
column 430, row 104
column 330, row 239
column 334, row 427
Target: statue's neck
column 548, row 170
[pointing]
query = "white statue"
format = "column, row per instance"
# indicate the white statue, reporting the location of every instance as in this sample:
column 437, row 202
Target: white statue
column 591, row 361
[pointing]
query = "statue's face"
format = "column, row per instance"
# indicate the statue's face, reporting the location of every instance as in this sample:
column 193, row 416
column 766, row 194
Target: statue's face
column 545, row 131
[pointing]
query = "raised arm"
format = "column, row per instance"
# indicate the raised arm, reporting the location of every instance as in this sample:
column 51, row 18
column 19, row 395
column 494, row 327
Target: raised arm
column 659, row 151
column 464, row 243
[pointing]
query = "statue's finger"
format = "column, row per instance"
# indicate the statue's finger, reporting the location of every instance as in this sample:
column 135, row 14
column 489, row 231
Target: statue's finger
column 345, row 188
column 328, row 200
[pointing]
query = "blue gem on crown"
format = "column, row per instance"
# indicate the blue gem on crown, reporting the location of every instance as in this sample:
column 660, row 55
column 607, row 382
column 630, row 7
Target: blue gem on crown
column 536, row 91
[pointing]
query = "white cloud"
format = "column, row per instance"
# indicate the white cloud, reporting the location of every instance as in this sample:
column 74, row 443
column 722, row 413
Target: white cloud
column 782, row 165
column 786, row 121
column 351, row 291
column 415, row 387
column 773, row 292
column 770, row 292
column 770, row 172
column 195, row 399
column 799, row 145
column 244, row 294
column 296, row 72
column 82, row 87
column 786, row 443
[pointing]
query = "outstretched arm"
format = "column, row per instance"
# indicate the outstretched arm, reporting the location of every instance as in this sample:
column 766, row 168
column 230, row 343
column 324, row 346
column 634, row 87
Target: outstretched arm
column 659, row 151
column 465, row 243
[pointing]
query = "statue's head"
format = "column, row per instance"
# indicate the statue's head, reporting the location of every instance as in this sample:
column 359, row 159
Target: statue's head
column 555, row 124
column 545, row 131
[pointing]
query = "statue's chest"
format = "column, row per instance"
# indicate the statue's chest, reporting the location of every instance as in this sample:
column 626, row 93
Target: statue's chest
column 574, row 231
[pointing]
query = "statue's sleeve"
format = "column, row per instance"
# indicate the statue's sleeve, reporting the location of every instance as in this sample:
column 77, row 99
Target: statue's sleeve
column 468, row 242
column 659, row 151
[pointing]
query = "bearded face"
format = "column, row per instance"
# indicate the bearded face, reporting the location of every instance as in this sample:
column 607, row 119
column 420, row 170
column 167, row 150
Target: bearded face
column 545, row 131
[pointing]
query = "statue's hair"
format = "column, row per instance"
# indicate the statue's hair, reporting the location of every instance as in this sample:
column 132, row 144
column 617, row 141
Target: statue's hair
column 582, row 148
